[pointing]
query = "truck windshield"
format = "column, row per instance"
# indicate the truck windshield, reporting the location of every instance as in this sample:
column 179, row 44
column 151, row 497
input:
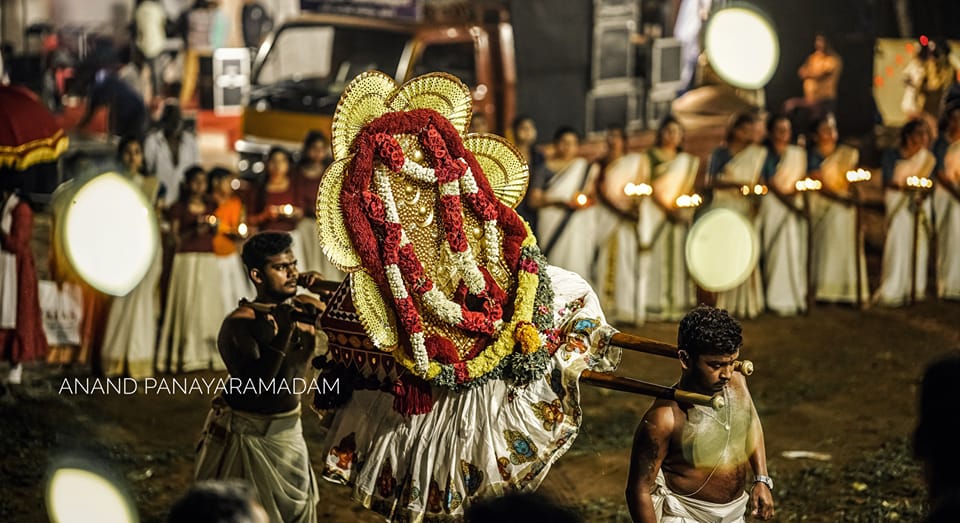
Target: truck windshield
column 329, row 56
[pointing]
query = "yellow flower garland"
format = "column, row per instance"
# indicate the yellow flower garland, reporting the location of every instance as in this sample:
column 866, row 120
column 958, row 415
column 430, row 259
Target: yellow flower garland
column 528, row 336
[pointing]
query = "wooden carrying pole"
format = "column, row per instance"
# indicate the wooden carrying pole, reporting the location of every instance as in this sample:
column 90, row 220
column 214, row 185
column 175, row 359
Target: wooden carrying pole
column 641, row 344
column 659, row 348
column 612, row 381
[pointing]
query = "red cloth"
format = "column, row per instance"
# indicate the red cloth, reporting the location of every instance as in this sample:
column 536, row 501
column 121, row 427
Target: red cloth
column 266, row 199
column 29, row 134
column 192, row 239
column 27, row 342
column 306, row 189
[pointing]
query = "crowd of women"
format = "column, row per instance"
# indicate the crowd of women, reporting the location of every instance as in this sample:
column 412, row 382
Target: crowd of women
column 170, row 321
column 622, row 222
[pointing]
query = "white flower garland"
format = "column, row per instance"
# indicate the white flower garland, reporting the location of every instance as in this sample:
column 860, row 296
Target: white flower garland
column 451, row 188
column 439, row 304
column 448, row 311
column 467, row 181
column 468, row 184
column 394, row 277
column 418, row 172
column 469, row 270
column 382, row 185
column 420, row 361
column 491, row 236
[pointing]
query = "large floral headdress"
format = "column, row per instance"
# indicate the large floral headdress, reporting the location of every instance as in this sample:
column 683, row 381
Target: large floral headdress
column 445, row 275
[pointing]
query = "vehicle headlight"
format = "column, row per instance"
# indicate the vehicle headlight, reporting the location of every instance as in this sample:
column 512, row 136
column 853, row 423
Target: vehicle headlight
column 243, row 165
column 258, row 167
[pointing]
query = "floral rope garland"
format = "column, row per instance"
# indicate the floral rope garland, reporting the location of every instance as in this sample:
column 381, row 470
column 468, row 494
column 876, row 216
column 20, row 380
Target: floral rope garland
column 500, row 360
column 378, row 236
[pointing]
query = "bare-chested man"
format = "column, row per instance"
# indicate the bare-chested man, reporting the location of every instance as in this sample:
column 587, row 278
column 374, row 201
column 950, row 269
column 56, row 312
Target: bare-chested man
column 689, row 463
column 253, row 432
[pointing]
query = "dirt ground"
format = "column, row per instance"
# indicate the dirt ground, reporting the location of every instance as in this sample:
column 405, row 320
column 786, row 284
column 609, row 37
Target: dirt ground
column 838, row 381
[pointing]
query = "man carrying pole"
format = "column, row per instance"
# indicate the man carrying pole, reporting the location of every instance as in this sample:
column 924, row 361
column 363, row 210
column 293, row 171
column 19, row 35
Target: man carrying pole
column 689, row 463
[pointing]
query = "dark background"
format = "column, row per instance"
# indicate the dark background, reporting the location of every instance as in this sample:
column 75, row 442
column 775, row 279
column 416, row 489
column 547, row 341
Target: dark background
column 554, row 49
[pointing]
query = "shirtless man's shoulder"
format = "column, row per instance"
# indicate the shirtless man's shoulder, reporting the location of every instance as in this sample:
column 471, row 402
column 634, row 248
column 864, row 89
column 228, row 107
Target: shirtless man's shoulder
column 657, row 428
column 242, row 313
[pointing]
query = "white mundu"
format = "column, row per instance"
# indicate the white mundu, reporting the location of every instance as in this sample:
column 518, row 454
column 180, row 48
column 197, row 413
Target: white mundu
column 783, row 232
column 906, row 248
column 268, row 451
column 672, row 507
column 946, row 208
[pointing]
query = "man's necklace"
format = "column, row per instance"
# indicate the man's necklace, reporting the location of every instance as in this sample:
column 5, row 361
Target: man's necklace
column 726, row 426
column 726, row 403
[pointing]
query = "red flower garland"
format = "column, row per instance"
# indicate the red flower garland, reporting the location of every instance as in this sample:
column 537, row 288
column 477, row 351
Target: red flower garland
column 364, row 211
column 442, row 350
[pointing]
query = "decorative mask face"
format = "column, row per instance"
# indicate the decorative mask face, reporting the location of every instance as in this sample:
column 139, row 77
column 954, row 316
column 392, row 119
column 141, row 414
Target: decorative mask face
column 443, row 269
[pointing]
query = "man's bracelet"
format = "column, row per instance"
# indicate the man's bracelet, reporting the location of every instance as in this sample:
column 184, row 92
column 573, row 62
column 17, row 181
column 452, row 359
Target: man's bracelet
column 766, row 480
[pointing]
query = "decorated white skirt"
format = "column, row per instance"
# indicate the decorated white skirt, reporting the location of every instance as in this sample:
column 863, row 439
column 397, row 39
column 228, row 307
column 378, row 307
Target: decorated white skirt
column 484, row 441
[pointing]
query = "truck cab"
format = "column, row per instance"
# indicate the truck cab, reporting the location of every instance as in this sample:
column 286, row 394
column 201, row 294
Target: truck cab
column 302, row 68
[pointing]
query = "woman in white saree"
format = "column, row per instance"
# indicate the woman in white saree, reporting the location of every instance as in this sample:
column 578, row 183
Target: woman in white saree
column 908, row 217
column 946, row 207
column 565, row 214
column 672, row 173
column 733, row 166
column 621, row 267
column 838, row 263
column 783, row 225
column 130, row 337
